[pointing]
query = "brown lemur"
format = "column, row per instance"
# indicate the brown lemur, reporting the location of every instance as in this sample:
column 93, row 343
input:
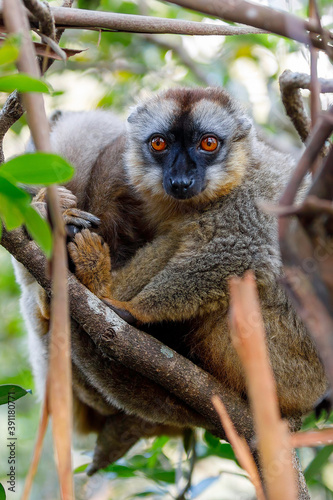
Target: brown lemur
column 176, row 193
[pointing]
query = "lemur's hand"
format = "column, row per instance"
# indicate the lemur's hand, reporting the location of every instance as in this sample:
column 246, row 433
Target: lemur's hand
column 91, row 258
column 74, row 219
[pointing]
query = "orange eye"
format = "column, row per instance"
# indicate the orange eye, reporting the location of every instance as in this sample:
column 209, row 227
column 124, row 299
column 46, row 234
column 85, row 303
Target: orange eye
column 158, row 143
column 209, row 143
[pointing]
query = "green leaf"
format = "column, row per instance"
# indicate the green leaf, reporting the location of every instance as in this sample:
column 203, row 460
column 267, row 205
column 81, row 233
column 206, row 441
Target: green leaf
column 13, row 202
column 121, row 470
column 318, row 462
column 8, row 54
column 39, row 229
column 15, row 391
column 2, row 493
column 38, row 169
column 10, row 49
column 22, row 83
column 15, row 209
column 148, row 493
column 223, row 450
column 166, row 476
column 159, row 442
column 80, row 469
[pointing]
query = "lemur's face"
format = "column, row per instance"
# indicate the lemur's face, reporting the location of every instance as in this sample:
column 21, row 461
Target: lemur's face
column 181, row 143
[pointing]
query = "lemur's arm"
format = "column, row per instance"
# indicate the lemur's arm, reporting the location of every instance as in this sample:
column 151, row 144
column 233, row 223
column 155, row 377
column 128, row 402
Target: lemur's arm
column 166, row 280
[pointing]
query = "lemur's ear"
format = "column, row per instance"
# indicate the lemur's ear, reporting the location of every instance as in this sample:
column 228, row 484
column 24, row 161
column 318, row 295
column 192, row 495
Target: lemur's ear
column 135, row 112
column 132, row 116
column 243, row 128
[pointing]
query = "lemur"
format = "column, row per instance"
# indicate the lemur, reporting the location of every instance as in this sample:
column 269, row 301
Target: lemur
column 175, row 190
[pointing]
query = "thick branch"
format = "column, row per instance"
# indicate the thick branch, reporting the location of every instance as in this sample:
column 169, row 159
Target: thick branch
column 42, row 12
column 322, row 130
column 290, row 85
column 110, row 21
column 280, row 23
column 135, row 349
column 9, row 114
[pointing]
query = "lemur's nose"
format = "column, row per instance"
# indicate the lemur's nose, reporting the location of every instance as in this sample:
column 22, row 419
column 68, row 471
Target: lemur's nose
column 181, row 187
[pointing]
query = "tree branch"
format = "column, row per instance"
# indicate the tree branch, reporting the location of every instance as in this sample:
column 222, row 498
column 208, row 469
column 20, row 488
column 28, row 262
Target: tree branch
column 261, row 17
column 11, row 112
column 129, row 346
column 110, row 21
column 249, row 340
column 42, row 11
column 290, row 85
column 321, row 132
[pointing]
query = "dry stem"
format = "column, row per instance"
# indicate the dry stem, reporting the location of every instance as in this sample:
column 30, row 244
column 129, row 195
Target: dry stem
column 240, row 447
column 248, row 337
column 59, row 389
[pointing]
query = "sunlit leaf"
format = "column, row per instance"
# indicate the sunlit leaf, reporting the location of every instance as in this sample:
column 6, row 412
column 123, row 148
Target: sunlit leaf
column 13, row 202
column 39, row 229
column 13, row 392
column 22, row 83
column 8, row 54
column 38, row 169
column 10, row 49
column 81, row 468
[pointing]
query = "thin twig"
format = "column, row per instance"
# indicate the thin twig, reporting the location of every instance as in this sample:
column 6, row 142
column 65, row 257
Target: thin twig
column 248, row 336
column 322, row 186
column 53, row 45
column 59, row 386
column 315, row 104
column 312, row 438
column 310, row 307
column 240, row 447
column 44, row 419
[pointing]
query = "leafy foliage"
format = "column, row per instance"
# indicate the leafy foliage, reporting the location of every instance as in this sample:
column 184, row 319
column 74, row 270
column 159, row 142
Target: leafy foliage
column 15, row 208
column 12, row 392
column 22, row 83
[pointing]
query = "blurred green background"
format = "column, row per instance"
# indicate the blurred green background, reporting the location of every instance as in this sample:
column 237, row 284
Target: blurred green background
column 114, row 70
